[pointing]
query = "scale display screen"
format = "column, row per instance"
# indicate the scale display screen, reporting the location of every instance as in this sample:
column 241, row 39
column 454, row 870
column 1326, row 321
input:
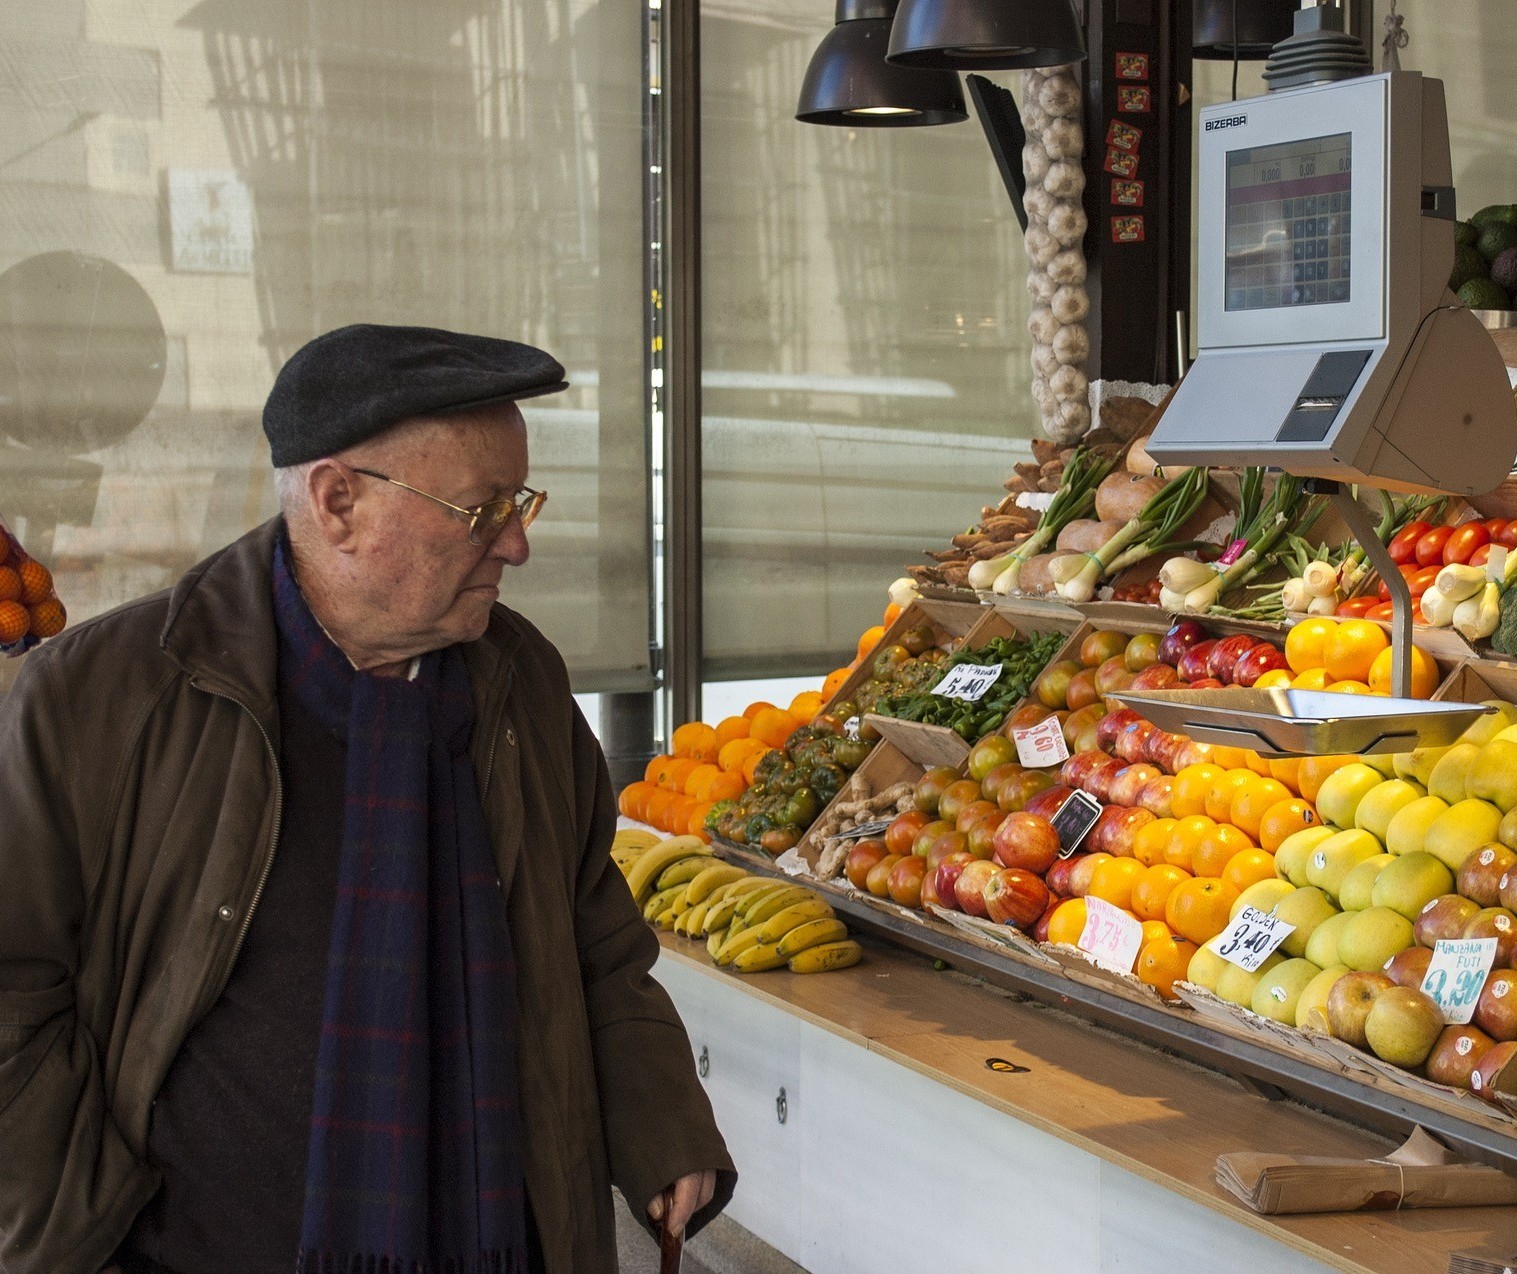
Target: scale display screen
column 1289, row 224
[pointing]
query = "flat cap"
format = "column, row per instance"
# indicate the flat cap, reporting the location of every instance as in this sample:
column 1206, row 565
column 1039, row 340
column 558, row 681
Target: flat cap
column 356, row 382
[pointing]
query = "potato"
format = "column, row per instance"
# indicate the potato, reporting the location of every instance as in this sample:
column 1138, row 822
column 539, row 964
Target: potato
column 1035, row 576
column 1086, row 535
column 1121, row 496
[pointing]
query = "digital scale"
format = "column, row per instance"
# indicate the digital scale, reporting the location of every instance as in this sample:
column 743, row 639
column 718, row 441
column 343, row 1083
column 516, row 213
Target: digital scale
column 1330, row 347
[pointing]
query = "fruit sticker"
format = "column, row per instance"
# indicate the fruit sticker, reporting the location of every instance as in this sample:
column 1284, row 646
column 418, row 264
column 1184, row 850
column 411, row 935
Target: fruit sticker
column 1126, row 194
column 1124, row 136
column 1127, row 229
column 1132, row 66
column 1120, row 163
column 1456, row 974
column 1134, row 99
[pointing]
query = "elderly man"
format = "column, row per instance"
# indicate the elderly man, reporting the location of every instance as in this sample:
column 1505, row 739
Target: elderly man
column 312, row 956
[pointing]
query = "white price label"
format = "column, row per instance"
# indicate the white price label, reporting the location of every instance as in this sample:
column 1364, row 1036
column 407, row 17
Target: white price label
column 1456, row 974
column 851, row 728
column 1111, row 937
column 1042, row 744
column 1252, row 938
column 969, row 681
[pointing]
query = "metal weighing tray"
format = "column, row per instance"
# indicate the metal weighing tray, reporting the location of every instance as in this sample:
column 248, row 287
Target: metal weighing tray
column 1282, row 722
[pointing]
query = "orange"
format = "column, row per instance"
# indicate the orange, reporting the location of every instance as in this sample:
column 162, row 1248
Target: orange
column 1112, row 881
column 1312, row 679
column 1253, row 761
column 1216, row 849
column 1249, row 805
column 728, row 729
column 1184, row 837
column 36, row 581
column 48, row 617
column 1351, row 649
column 1249, row 868
column 10, row 585
column 1349, row 687
column 695, row 740
column 1425, row 675
column 1152, row 890
column 656, row 806
column 892, row 613
column 1219, row 800
column 726, row 787
column 1287, row 770
column 1067, row 922
column 1162, row 963
column 806, row 705
column 1285, row 818
column 752, row 763
column 699, row 779
column 1197, row 909
column 869, row 639
column 1315, row 769
column 1229, row 758
column 734, row 753
column 697, row 824
column 753, row 709
column 1148, row 845
column 1153, row 930
column 1306, row 643
column 834, row 682
column 677, row 815
column 1275, row 678
column 773, row 726
column 630, row 802
column 1192, row 783
column 674, row 773
column 651, row 770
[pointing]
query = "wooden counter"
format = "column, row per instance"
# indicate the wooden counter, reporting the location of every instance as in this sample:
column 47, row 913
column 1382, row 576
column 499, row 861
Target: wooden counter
column 1089, row 1101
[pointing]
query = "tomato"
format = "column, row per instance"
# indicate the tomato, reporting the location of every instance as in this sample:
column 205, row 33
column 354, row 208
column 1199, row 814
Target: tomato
column 1355, row 607
column 1461, row 545
column 1479, row 556
column 1420, row 580
column 1407, row 569
column 1403, row 545
column 1495, row 526
column 1385, row 610
column 1430, row 545
column 1507, row 536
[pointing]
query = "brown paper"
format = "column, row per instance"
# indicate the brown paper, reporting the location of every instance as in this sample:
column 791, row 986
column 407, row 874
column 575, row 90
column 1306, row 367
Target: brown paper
column 1421, row 1173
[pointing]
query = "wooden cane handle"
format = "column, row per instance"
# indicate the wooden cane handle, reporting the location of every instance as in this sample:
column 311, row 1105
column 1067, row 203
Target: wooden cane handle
column 671, row 1242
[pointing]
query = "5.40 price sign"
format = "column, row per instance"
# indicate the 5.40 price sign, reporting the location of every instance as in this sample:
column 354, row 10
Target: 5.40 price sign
column 969, row 681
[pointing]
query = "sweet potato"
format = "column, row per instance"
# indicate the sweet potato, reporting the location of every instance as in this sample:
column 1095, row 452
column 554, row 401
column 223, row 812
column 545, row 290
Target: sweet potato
column 1121, row 496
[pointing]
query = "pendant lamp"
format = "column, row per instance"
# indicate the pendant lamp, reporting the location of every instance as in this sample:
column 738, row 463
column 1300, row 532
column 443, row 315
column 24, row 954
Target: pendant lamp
column 986, row 35
column 1261, row 25
column 848, row 81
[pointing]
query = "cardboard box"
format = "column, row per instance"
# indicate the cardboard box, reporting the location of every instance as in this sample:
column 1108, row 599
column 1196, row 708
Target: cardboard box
column 1476, row 680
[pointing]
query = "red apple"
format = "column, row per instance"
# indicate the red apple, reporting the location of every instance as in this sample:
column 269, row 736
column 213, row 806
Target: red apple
column 944, row 878
column 1192, row 664
column 1191, row 753
column 1496, row 1009
column 1024, row 840
column 1083, row 869
column 929, row 895
column 969, row 888
column 1182, row 635
column 1057, row 876
column 1508, row 890
column 1116, row 829
column 1163, row 749
column 1017, row 791
column 1495, row 1073
column 1256, row 661
column 1349, row 1001
column 923, row 843
column 1408, row 966
column 1074, row 771
column 864, row 855
column 1481, row 871
column 1225, row 655
column 1157, row 796
column 1080, row 728
column 1498, row 923
column 1051, row 688
column 1112, row 676
column 1443, row 918
column 1456, row 1053
column 1142, row 650
column 1157, row 677
column 1040, row 930
column 1131, row 742
column 1015, row 897
column 1206, row 683
column 1046, row 803
column 1101, row 776
column 1112, row 724
column 951, row 842
column 1127, row 782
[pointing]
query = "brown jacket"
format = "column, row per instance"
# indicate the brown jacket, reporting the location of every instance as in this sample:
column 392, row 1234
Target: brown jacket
column 139, row 810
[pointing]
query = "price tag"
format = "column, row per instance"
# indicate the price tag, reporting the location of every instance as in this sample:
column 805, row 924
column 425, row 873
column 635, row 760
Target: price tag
column 1042, row 744
column 969, row 681
column 1252, row 937
column 1111, row 937
column 1073, row 819
column 1456, row 974
column 851, row 728
column 876, row 828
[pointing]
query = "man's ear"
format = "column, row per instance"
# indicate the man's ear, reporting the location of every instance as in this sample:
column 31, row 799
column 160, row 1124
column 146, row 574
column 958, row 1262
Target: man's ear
column 330, row 491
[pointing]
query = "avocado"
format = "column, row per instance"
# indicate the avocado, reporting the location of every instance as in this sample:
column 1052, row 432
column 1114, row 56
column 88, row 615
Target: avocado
column 1496, row 238
column 1482, row 294
column 1466, row 234
column 1504, row 270
column 1503, row 212
column 1468, row 264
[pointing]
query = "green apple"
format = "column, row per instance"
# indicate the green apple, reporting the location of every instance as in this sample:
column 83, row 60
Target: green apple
column 1262, row 895
column 1236, row 985
column 1322, row 945
column 1304, row 909
column 1463, row 827
column 1343, row 789
column 1408, row 827
column 1506, row 833
column 1403, row 1025
column 1493, row 776
column 1418, row 765
column 1354, row 892
column 1385, row 762
column 1410, row 882
column 1206, row 965
column 1291, row 853
column 1381, row 804
column 1311, row 1005
column 1278, row 992
column 1452, row 772
column 1335, row 857
column 1372, row 937
column 1485, row 728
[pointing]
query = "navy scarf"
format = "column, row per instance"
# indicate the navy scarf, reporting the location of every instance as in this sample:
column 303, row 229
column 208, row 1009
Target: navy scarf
column 415, row 1160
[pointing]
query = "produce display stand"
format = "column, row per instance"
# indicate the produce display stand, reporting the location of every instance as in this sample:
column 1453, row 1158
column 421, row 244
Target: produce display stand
column 898, row 1117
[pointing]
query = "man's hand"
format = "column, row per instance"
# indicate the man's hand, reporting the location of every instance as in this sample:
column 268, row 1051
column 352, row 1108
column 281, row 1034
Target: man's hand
column 692, row 1192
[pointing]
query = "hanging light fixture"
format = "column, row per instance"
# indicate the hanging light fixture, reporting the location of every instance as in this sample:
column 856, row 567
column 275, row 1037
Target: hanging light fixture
column 986, row 35
column 1261, row 24
column 849, row 82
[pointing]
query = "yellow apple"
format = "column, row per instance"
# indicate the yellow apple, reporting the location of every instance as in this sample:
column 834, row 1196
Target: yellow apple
column 1449, row 776
column 1410, row 883
column 1206, row 965
column 1418, row 764
column 1278, row 993
column 1354, row 892
column 1304, row 909
column 1291, row 853
column 1408, row 826
column 1335, row 857
column 1403, row 1025
column 1381, row 804
column 1372, row 937
column 1322, row 945
column 1311, row 1006
column 1493, row 776
column 1460, row 829
column 1261, row 896
column 1483, row 729
column 1236, row 985
column 1343, row 789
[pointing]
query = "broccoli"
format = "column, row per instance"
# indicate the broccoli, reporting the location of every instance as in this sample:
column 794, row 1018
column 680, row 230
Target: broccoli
column 1504, row 638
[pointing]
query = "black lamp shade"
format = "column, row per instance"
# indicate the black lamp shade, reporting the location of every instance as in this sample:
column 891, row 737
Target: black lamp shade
column 848, row 81
column 1261, row 25
column 988, row 35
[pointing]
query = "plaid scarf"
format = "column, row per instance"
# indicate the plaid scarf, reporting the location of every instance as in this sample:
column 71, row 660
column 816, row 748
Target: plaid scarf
column 415, row 1160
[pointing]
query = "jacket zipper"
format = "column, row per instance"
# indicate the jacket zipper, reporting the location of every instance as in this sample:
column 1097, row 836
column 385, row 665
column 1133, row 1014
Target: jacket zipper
column 268, row 865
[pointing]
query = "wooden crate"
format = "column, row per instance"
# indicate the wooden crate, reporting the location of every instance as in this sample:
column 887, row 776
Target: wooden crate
column 951, row 623
column 884, row 767
column 1476, row 680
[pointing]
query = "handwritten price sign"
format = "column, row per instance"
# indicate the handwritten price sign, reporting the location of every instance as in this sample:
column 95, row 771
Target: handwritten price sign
column 968, row 681
column 1456, row 974
column 1041, row 745
column 1252, row 938
column 1111, row 937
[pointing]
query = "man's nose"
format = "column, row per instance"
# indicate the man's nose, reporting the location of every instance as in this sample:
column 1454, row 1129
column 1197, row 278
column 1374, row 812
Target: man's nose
column 511, row 544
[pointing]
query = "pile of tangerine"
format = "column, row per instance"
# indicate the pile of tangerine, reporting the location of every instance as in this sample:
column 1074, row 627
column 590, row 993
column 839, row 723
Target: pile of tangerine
column 28, row 605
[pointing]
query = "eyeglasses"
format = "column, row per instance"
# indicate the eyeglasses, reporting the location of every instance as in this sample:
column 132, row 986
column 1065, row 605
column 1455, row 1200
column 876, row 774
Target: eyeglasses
column 487, row 520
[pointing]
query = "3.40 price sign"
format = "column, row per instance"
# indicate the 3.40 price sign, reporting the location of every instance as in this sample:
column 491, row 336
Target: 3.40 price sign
column 1456, row 974
column 1252, row 936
